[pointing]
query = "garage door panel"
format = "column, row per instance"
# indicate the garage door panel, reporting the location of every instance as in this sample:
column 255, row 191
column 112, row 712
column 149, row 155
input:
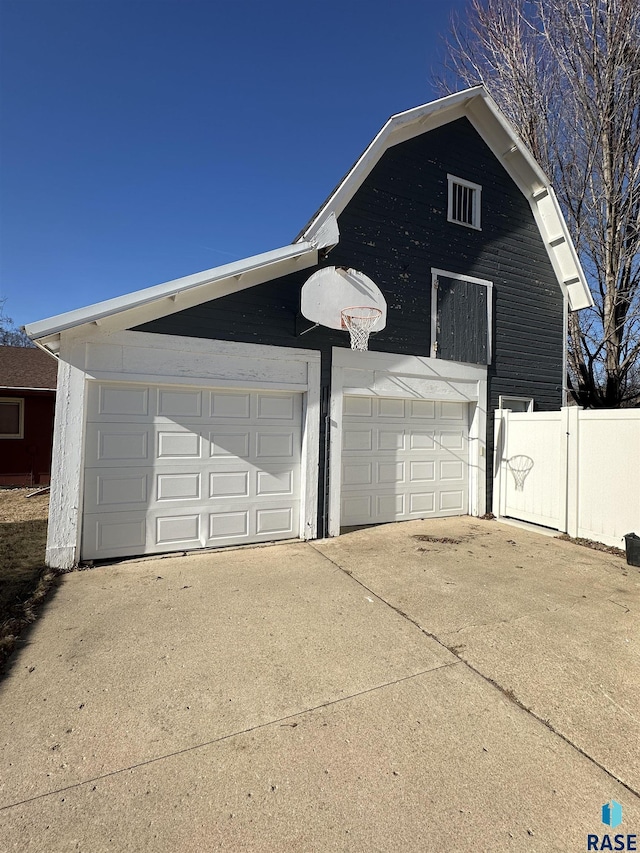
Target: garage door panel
column 390, row 439
column 356, row 509
column 228, row 484
column 422, row 471
column 275, row 444
column 274, row 483
column 451, row 440
column 228, row 525
column 360, row 407
column 422, row 440
column 116, row 489
column 357, row 439
column 452, row 501
column 275, row 520
column 423, row 409
column 123, row 400
column 228, row 405
column 357, row 473
column 223, row 444
column 178, row 443
column 453, row 411
column 173, row 403
column 113, row 443
column 183, row 530
column 390, row 472
column 229, row 475
column 276, row 407
column 178, row 487
column 422, row 503
column 452, row 469
column 414, row 465
column 389, row 505
column 115, row 535
column 389, row 407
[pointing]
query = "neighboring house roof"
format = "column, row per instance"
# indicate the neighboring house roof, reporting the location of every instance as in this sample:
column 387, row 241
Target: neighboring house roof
column 27, row 369
column 322, row 233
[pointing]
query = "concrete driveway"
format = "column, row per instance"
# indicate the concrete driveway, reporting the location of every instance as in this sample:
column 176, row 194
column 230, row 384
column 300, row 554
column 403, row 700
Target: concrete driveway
column 372, row 692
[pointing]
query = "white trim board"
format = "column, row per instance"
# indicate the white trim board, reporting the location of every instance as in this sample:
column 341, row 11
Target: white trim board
column 148, row 304
column 163, row 360
column 378, row 374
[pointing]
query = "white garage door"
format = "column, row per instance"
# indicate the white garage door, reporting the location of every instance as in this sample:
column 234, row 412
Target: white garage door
column 403, row 459
column 170, row 468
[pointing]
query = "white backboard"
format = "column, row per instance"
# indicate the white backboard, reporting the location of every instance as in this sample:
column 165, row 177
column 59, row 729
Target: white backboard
column 327, row 292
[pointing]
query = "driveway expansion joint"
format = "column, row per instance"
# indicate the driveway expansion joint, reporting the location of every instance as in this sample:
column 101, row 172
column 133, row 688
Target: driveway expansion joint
column 280, row 721
column 507, row 693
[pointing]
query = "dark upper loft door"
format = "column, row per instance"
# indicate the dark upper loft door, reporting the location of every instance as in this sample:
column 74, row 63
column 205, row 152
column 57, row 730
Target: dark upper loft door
column 461, row 320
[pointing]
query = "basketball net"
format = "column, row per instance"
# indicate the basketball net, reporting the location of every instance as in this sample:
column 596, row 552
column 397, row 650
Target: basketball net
column 359, row 322
column 520, row 467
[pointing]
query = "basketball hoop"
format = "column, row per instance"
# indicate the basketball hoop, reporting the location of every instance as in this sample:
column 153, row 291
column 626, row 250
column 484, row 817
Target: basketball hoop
column 359, row 322
column 520, row 467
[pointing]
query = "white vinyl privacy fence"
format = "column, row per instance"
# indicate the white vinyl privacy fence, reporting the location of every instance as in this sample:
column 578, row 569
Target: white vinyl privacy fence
column 573, row 470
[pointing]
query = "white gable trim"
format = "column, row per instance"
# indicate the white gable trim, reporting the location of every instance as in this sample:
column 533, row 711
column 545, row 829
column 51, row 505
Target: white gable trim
column 492, row 126
column 151, row 303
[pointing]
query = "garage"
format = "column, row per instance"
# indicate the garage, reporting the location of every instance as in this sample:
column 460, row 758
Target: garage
column 173, row 468
column 403, row 459
column 408, row 438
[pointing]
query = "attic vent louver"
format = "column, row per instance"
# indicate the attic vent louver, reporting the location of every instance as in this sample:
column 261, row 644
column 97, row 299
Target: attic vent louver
column 464, row 202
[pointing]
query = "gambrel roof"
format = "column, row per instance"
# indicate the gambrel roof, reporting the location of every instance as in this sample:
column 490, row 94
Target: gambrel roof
column 321, row 232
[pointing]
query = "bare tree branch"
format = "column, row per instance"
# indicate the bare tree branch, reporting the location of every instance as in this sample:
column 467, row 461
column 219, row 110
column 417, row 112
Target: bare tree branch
column 567, row 74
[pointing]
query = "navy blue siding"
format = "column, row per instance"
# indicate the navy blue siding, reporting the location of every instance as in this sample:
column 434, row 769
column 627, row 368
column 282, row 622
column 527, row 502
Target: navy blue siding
column 395, row 230
column 461, row 321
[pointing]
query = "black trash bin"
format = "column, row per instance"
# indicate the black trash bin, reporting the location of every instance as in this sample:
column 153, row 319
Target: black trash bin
column 632, row 545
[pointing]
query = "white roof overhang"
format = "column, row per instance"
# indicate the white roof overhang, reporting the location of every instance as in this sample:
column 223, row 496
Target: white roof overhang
column 483, row 113
column 142, row 306
column 133, row 309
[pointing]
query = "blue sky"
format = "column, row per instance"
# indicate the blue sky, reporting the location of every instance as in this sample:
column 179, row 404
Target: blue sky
column 149, row 139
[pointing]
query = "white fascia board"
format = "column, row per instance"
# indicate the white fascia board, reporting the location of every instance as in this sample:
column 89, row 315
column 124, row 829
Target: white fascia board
column 534, row 184
column 494, row 128
column 189, row 290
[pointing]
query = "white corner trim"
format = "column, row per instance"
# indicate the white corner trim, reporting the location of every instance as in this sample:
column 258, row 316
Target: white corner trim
column 65, row 505
column 310, row 459
column 378, row 374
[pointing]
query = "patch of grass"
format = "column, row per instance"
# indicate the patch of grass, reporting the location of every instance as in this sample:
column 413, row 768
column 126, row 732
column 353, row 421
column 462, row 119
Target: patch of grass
column 24, row 579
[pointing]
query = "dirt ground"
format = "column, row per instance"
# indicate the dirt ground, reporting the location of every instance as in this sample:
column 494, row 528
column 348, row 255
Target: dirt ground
column 23, row 536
